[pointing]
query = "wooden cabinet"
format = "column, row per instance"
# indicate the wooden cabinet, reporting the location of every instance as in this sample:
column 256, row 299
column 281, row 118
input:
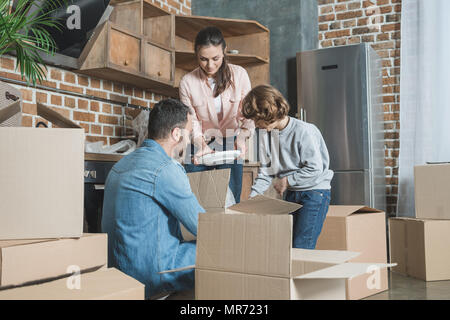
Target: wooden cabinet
column 144, row 46
column 249, row 174
column 122, row 50
column 135, row 46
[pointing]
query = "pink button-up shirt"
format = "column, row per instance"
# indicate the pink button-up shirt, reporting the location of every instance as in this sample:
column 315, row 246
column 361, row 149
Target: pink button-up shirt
column 196, row 93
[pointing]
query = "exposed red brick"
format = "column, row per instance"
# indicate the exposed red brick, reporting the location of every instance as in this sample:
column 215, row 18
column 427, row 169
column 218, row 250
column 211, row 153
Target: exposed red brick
column 83, row 104
column 56, row 100
column 83, row 116
column 108, row 119
column 29, row 108
column 27, row 121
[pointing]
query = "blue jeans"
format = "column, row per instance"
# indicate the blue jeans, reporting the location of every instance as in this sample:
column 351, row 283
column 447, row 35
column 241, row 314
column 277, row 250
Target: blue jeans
column 236, row 167
column 309, row 219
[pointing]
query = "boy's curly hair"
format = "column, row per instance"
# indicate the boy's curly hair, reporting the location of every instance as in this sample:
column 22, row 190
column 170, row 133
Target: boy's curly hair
column 265, row 103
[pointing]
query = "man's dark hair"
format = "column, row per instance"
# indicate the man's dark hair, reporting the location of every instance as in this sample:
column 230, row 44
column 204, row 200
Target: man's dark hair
column 165, row 116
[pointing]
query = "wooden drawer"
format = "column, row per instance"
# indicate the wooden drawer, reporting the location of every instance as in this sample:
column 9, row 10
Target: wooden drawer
column 124, row 50
column 158, row 62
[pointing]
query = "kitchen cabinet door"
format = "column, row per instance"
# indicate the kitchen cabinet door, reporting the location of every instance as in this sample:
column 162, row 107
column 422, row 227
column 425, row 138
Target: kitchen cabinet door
column 124, row 50
column 158, row 62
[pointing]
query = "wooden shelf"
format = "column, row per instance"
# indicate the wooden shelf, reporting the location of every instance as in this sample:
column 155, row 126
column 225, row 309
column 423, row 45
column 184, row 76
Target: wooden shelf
column 187, row 27
column 151, row 11
column 186, row 60
column 102, row 157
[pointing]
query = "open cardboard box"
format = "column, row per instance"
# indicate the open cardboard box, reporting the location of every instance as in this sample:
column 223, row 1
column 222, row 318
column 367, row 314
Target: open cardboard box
column 360, row 229
column 42, row 187
column 245, row 251
column 104, row 284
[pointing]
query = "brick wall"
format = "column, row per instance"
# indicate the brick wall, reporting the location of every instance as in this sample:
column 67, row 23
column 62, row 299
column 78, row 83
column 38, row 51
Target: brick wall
column 345, row 22
column 101, row 121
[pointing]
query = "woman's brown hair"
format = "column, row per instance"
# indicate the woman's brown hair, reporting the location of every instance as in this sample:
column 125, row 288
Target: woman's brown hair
column 213, row 36
column 265, row 103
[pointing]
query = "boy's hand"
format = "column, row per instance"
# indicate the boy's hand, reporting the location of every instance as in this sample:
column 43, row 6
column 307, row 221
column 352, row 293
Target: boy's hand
column 240, row 145
column 241, row 139
column 281, row 185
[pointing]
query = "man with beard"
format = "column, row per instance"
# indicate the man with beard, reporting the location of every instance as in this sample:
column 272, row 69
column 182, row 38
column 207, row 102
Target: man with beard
column 147, row 196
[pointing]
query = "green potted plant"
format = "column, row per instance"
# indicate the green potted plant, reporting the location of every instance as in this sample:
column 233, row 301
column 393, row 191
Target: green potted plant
column 24, row 33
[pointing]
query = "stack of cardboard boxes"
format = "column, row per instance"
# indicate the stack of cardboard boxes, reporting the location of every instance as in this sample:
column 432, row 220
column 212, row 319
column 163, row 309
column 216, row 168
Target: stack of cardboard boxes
column 43, row 252
column 245, row 251
column 421, row 245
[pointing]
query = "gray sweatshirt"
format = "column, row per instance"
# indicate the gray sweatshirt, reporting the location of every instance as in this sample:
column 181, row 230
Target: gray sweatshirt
column 298, row 152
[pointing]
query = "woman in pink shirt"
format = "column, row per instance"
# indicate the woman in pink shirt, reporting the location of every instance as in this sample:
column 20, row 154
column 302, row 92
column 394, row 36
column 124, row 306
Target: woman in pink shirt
column 214, row 91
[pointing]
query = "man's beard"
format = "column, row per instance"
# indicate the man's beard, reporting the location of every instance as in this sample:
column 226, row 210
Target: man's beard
column 179, row 151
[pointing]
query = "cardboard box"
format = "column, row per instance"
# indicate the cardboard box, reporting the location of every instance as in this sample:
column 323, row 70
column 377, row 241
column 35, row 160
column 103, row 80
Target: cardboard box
column 324, row 284
column 25, row 261
column 360, row 229
column 420, row 248
column 251, row 243
column 105, row 284
column 42, row 184
column 432, row 190
column 256, row 250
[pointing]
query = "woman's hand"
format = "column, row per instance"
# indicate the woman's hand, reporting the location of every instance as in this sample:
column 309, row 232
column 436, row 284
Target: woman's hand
column 204, row 149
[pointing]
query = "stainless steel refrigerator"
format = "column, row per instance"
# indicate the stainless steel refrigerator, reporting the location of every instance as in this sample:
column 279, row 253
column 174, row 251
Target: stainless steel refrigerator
column 339, row 91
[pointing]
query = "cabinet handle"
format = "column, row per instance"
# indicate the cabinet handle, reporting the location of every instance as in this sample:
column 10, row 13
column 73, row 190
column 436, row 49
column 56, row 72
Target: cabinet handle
column 159, row 73
column 126, row 62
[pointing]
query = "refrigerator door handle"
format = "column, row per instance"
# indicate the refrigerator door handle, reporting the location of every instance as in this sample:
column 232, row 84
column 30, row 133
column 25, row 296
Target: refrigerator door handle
column 302, row 114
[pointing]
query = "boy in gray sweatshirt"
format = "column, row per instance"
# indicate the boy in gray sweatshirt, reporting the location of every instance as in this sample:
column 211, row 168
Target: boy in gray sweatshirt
column 293, row 151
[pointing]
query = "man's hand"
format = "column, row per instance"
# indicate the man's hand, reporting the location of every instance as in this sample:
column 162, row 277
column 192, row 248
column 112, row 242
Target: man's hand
column 281, row 185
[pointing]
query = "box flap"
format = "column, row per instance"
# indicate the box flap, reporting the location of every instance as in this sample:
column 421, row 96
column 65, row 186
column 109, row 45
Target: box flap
column 210, row 188
column 345, row 211
column 9, row 111
column 178, row 269
column 328, row 256
column 306, row 261
column 54, row 117
column 265, row 205
column 410, row 219
column 12, row 243
column 345, row 270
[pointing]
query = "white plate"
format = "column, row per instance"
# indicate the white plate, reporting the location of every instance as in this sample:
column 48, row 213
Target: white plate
column 222, row 157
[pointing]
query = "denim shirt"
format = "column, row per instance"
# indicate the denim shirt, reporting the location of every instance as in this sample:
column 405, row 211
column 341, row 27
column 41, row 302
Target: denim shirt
column 147, row 194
